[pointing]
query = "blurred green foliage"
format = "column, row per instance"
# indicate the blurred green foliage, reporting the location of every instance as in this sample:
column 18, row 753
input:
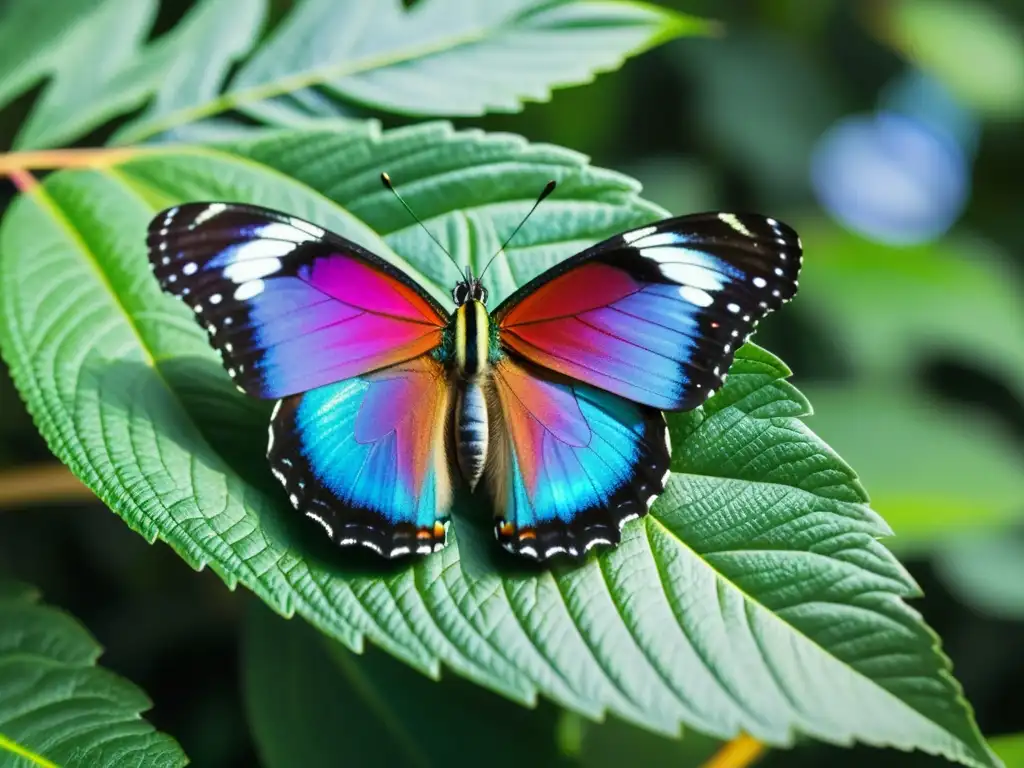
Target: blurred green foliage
column 913, row 356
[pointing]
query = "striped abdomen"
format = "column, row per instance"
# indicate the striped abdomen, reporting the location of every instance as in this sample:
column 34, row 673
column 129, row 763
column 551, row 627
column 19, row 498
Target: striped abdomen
column 471, row 432
column 472, row 353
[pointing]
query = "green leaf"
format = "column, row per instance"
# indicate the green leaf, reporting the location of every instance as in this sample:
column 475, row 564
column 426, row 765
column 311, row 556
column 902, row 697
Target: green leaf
column 889, row 307
column 58, row 707
column 121, row 76
column 455, row 57
column 973, row 47
column 754, row 598
column 1009, row 748
column 31, row 42
column 309, row 700
column 936, row 473
column 441, row 57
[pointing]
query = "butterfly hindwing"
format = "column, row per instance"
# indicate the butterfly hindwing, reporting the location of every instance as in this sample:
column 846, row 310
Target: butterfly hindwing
column 570, row 463
column 290, row 306
column 656, row 314
column 366, row 457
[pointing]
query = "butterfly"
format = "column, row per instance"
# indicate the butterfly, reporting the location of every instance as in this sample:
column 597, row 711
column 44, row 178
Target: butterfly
column 552, row 401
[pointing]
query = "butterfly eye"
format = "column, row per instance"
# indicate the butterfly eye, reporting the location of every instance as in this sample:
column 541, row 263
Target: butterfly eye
column 460, row 293
column 480, row 293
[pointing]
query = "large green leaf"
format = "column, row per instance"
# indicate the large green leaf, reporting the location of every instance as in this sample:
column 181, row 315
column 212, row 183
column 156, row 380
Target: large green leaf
column 309, row 701
column 451, row 57
column 181, row 68
column 30, row 42
column 56, row 706
column 755, row 597
column 438, row 57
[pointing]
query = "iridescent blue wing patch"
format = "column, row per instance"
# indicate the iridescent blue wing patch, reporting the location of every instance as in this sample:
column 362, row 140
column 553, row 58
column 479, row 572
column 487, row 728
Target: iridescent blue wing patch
column 366, row 457
column 571, row 464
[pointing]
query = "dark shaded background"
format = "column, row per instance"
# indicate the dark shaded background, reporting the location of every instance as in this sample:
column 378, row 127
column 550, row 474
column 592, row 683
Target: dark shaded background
column 730, row 123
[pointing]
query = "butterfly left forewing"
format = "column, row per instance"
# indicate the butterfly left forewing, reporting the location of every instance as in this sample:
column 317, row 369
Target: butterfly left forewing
column 366, row 457
column 656, row 314
column 290, row 306
column 570, row 464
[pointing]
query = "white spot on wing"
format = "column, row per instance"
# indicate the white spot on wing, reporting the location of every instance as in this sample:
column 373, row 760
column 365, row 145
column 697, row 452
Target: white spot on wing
column 216, row 298
column 287, row 232
column 190, row 269
column 593, row 543
column 687, row 274
column 310, row 229
column 661, row 238
column 208, row 213
column 734, row 308
column 760, row 282
column 262, row 249
column 251, row 269
column 696, row 296
column 326, row 526
column 733, row 221
column 636, row 234
column 246, row 291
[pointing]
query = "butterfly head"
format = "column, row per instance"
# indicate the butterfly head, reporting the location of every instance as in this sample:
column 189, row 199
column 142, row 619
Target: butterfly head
column 469, row 290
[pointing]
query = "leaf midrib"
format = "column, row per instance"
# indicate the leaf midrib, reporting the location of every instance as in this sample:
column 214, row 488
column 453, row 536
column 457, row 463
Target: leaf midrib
column 750, row 601
column 12, row 747
column 311, row 77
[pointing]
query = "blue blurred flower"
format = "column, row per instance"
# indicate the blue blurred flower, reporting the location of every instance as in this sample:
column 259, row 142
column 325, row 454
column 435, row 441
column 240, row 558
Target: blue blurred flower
column 901, row 175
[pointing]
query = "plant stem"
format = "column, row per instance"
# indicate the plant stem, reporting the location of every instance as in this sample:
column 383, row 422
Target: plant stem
column 40, row 484
column 738, row 753
column 13, row 162
column 23, row 180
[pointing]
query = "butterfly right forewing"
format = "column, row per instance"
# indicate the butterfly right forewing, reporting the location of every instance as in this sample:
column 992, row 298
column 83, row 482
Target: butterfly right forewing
column 656, row 314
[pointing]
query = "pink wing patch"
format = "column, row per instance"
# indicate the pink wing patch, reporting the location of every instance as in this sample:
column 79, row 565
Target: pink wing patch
column 599, row 324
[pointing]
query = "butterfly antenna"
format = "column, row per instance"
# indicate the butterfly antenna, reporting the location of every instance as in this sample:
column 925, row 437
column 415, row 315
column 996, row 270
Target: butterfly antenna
column 386, row 180
column 548, row 189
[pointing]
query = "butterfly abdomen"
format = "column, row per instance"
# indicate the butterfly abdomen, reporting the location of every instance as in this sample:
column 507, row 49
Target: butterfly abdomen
column 471, row 432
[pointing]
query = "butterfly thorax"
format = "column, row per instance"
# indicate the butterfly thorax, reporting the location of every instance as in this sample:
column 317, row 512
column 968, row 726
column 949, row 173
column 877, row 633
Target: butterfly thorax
column 472, row 333
column 472, row 340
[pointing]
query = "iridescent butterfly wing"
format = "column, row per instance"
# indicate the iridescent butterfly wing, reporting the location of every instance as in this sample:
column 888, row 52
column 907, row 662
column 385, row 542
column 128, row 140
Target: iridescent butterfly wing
column 596, row 347
column 342, row 338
